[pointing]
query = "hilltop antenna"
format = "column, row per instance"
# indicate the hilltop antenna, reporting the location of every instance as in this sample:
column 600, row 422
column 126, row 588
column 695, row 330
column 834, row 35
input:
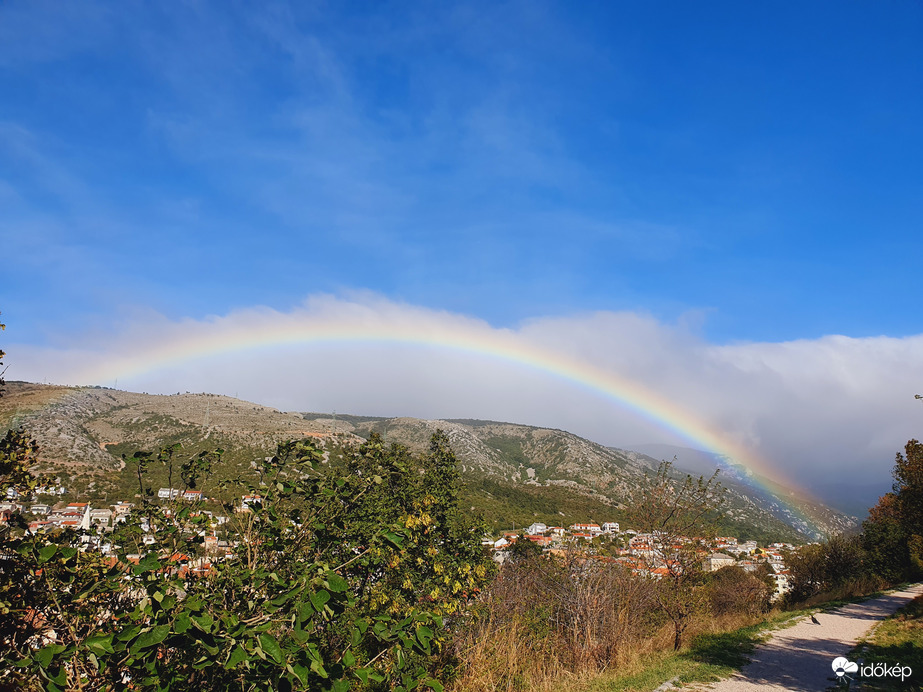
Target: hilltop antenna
column 334, row 422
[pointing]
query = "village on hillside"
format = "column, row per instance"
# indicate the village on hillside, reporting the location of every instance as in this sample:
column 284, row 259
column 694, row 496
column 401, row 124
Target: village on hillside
column 648, row 554
column 644, row 554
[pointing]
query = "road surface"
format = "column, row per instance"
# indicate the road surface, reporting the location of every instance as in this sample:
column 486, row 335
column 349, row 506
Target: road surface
column 799, row 658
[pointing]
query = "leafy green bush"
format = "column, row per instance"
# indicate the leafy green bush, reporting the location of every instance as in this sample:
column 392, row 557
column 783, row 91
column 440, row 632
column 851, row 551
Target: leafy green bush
column 339, row 580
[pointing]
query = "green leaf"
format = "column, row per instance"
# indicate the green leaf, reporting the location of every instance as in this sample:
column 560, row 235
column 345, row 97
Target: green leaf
column 269, row 645
column 424, row 636
column 128, row 633
column 100, row 644
column 435, row 684
column 393, row 538
column 146, row 564
column 46, row 553
column 319, row 599
column 152, row 637
column 281, row 600
column 204, row 621
column 349, row 659
column 43, row 656
column 318, row 668
column 301, row 673
column 336, row 583
column 181, row 623
column 238, row 655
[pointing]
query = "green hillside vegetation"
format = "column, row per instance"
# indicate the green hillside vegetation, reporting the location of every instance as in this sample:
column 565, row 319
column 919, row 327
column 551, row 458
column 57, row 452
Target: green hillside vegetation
column 508, row 506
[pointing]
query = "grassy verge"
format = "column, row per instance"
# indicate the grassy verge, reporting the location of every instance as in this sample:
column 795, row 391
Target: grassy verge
column 709, row 657
column 896, row 641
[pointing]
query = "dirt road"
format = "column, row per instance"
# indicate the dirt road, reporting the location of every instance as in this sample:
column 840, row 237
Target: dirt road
column 799, row 658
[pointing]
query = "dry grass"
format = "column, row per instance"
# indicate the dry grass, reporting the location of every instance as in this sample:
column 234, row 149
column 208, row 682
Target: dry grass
column 513, row 659
column 861, row 587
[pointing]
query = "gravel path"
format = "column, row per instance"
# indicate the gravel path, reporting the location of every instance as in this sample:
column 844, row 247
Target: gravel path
column 799, row 658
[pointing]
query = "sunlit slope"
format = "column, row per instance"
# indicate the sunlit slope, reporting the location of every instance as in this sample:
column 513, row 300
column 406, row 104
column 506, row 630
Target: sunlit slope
column 513, row 474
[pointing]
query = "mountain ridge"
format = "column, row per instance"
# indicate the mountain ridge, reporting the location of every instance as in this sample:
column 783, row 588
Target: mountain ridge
column 515, row 473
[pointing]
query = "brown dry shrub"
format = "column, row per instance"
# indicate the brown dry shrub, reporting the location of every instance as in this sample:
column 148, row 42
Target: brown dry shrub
column 546, row 618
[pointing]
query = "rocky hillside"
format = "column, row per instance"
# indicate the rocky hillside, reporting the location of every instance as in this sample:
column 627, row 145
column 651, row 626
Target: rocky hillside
column 513, row 473
column 542, row 457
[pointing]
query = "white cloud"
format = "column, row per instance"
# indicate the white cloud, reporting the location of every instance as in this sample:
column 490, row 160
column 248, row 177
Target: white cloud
column 830, row 410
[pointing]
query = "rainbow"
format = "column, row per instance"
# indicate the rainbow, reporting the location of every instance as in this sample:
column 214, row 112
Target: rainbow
column 265, row 329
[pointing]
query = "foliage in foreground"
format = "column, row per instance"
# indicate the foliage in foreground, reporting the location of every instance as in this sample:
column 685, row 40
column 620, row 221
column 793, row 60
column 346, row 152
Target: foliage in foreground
column 340, row 581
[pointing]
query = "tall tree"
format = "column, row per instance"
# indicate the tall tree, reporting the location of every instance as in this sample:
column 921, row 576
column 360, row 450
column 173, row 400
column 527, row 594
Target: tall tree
column 885, row 541
column 908, row 498
column 893, row 533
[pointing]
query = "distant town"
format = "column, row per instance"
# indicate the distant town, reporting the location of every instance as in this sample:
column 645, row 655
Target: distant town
column 644, row 554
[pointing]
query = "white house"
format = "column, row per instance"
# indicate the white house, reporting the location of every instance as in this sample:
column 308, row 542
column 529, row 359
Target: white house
column 611, row 527
column 79, row 511
column 536, row 529
column 586, row 528
column 100, row 517
column 716, row 561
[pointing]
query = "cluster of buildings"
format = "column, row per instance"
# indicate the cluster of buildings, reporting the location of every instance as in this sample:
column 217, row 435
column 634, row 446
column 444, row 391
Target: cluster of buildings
column 81, row 515
column 84, row 516
column 649, row 554
column 550, row 536
column 643, row 553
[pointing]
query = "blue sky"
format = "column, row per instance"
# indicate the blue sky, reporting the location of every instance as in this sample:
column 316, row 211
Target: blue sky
column 737, row 173
column 507, row 160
